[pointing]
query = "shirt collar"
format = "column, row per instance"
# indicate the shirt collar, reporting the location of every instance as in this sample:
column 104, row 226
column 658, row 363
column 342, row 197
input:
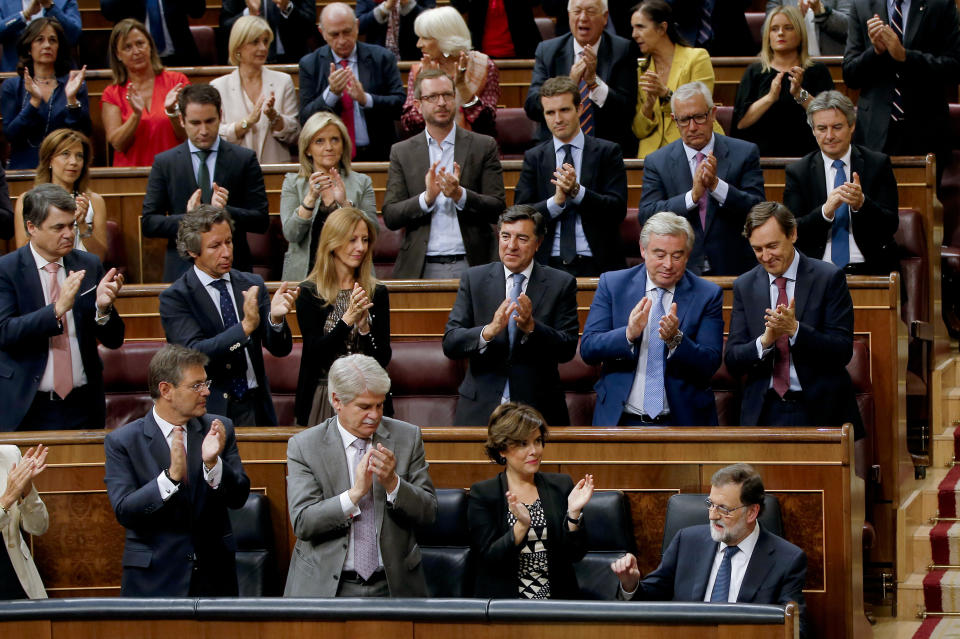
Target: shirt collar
column 576, row 142
column 828, row 161
column 42, row 261
column 651, row 285
column 347, row 437
column 205, row 278
column 749, row 542
column 351, row 59
column 213, row 149
column 791, row 272
column 450, row 139
column 692, row 152
column 578, row 48
column 165, row 426
column 526, row 272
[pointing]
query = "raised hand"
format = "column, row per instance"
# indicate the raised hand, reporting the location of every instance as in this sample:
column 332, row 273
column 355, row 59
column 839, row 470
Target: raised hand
column 338, row 79
column 779, row 322
column 383, row 464
column 219, row 196
column 565, row 179
column 355, row 89
column 283, row 302
column 336, row 187
column 875, row 30
column 108, row 288
column 433, row 186
column 524, row 314
column 774, row 93
column 796, row 79
column 637, row 321
column 362, row 478
column 32, row 88
column 213, row 444
column 178, row 457
column 170, row 100
column 359, row 305
column 135, row 100
column 519, row 509
column 669, row 324
column 74, row 82
column 450, row 182
column 251, row 312
column 254, row 116
column 253, row 7
column 500, row 319
column 579, row 496
column 194, row 200
column 589, row 65
column 627, row 571
column 269, row 107
column 68, row 292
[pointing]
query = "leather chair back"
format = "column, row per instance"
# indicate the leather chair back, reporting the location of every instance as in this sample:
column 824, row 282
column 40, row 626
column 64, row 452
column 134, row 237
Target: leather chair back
column 256, row 563
column 609, row 535
column 687, row 509
column 206, row 41
column 125, row 381
column 445, row 547
column 385, row 250
column 630, row 238
column 283, row 373
column 424, row 383
column 515, row 133
column 267, row 250
column 912, row 244
column 577, row 379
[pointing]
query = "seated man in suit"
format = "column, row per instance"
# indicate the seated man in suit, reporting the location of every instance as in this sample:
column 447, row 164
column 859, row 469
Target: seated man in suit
column 389, row 23
column 579, row 184
column 290, row 20
column 604, row 67
column 791, row 331
column 204, row 170
column 358, row 485
column 517, row 321
column 55, row 305
column 360, row 82
column 171, row 475
column 166, row 20
column 730, row 560
column 657, row 330
column 445, row 188
column 709, row 178
column 226, row 314
column 844, row 195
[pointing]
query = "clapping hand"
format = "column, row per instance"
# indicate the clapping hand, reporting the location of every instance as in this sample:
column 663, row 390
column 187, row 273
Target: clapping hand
column 450, row 182
column 108, row 288
column 74, row 82
column 627, row 571
column 579, row 496
column 779, row 322
column 283, row 302
column 358, row 306
column 213, row 444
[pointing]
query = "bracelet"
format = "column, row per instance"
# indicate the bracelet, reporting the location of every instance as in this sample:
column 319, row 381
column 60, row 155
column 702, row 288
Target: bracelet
column 472, row 102
column 803, row 97
column 74, row 106
column 309, row 208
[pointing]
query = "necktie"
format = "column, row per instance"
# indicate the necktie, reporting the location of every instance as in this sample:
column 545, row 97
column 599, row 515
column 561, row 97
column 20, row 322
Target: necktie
column 156, row 25
column 238, row 385
column 586, row 108
column 896, row 23
column 346, row 114
column 568, row 220
column 514, row 294
column 203, row 177
column 60, row 344
column 721, row 585
column 183, row 432
column 364, row 530
column 840, row 248
column 781, row 364
column 393, row 30
column 705, row 33
column 656, row 354
column 702, row 202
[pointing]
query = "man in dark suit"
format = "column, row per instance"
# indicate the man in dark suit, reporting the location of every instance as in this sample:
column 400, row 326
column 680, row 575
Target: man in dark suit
column 359, row 82
column 55, row 305
column 712, row 180
column 204, row 170
column 730, row 560
column 171, row 475
column 358, row 486
column 226, row 314
column 657, row 360
column 166, row 20
column 844, row 195
column 377, row 18
column 516, row 320
column 719, row 26
column 604, row 66
column 444, row 188
column 290, row 20
column 905, row 65
column 579, row 184
column 791, row 331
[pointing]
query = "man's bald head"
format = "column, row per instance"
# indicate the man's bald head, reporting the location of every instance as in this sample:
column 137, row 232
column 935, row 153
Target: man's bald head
column 338, row 26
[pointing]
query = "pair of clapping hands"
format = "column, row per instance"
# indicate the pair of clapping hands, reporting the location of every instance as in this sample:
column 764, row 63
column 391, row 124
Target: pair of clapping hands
column 21, row 476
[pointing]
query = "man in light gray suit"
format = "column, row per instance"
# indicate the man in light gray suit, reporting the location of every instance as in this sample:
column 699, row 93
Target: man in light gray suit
column 357, row 487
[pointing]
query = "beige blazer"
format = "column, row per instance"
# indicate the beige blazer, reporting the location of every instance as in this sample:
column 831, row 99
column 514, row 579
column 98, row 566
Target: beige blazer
column 271, row 147
column 31, row 515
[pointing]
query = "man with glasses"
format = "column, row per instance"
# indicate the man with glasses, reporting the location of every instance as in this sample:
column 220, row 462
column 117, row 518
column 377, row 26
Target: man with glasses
column 731, row 559
column 171, row 475
column 710, row 179
column 444, row 188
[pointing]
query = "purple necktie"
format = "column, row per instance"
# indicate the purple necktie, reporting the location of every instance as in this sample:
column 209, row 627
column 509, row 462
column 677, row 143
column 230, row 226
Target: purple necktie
column 365, row 559
column 702, row 202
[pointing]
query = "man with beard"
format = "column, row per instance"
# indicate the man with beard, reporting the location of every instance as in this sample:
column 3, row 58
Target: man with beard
column 730, row 560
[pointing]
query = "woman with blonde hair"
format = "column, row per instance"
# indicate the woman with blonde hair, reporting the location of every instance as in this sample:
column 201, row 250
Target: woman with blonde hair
column 444, row 41
column 335, row 311
column 325, row 183
column 259, row 104
column 770, row 109
column 20, row 508
column 65, row 159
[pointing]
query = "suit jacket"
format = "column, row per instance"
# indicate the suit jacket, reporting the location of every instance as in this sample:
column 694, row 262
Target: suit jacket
column 171, row 183
column 520, row 21
column 498, row 557
column 823, row 347
column 376, row 33
column 688, row 371
column 604, row 203
column 295, row 30
column 666, row 180
column 190, row 318
column 31, row 515
column 616, row 65
column 873, row 225
column 317, row 472
column 731, row 34
column 26, row 324
column 531, row 366
column 193, row 521
column 930, row 71
column 775, row 575
column 378, row 73
column 831, row 24
column 176, row 14
column 12, row 25
column 481, row 177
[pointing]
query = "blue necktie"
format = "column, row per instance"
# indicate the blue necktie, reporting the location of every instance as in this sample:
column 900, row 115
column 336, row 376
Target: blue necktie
column 514, row 294
column 238, row 385
column 705, row 32
column 656, row 354
column 156, row 25
column 721, row 585
column 568, row 219
column 840, row 249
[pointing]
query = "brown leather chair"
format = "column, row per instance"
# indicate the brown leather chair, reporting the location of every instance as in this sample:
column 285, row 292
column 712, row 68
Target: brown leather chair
column 424, row 383
column 515, row 133
column 725, row 118
column 577, row 380
column 630, row 238
column 283, row 373
column 755, row 24
column 548, row 28
column 116, row 256
column 267, row 250
column 125, row 381
column 206, row 41
column 385, row 250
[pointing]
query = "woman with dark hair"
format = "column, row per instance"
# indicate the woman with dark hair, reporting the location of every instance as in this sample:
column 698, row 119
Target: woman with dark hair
column 668, row 63
column 526, row 527
column 47, row 95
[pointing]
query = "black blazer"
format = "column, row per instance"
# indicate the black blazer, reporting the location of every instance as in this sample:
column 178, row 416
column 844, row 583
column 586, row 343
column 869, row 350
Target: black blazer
column 380, row 76
column 604, row 204
column 616, row 65
column 171, row 183
column 190, row 318
column 194, row 520
column 498, row 557
column 376, row 33
column 873, row 225
column 532, row 365
column 296, row 30
column 520, row 21
column 321, row 349
column 176, row 14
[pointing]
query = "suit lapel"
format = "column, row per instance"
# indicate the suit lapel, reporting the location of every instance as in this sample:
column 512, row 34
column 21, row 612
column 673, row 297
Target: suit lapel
column 381, row 436
column 461, row 153
column 365, row 66
column 801, row 290
column 333, row 458
column 683, row 180
column 720, row 151
column 238, row 291
column 156, row 442
column 536, row 287
column 759, row 292
column 587, row 165
column 605, row 56
column 914, row 18
column 702, row 576
column 203, row 300
column 760, row 564
column 681, row 297
column 224, row 157
column 30, row 274
column 817, row 177
column 495, row 287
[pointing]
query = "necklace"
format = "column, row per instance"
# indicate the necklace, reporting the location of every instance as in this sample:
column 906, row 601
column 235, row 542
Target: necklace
column 45, row 80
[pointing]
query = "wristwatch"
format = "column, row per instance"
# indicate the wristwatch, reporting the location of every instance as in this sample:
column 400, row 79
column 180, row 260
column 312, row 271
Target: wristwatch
column 166, row 472
column 674, row 341
column 803, row 97
column 244, row 125
column 573, row 521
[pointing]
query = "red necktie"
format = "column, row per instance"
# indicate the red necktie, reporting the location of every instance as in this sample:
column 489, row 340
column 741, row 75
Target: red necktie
column 781, row 365
column 60, row 344
column 347, row 115
column 392, row 41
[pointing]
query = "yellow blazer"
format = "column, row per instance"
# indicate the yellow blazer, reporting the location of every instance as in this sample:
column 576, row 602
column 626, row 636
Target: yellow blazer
column 689, row 64
column 32, row 514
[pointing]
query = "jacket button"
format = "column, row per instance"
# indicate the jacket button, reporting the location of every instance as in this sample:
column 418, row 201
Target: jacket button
column 336, row 577
column 226, row 396
column 228, row 366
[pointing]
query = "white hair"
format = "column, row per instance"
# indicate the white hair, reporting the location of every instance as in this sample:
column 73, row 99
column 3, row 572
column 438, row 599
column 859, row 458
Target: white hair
column 667, row 223
column 689, row 91
column 355, row 374
column 603, row 4
column 447, row 27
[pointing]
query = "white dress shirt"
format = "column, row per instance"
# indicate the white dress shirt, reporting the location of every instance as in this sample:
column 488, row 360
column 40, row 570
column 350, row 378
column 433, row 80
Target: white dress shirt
column 738, row 565
column 830, row 174
column 555, row 210
column 359, row 121
column 445, row 236
column 599, row 92
column 634, row 404
column 167, row 487
column 214, row 294
column 791, row 275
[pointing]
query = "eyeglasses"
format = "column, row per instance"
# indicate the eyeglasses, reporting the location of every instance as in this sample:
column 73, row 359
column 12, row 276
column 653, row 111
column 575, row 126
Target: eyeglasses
column 684, row 120
column 723, row 510
column 200, row 386
column 433, row 98
column 590, row 13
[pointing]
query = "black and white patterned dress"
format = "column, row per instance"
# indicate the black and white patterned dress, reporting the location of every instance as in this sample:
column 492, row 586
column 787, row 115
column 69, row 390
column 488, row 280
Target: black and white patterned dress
column 534, row 575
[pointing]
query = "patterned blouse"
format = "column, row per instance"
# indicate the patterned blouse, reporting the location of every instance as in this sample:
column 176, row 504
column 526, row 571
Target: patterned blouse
column 534, row 578
column 479, row 118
